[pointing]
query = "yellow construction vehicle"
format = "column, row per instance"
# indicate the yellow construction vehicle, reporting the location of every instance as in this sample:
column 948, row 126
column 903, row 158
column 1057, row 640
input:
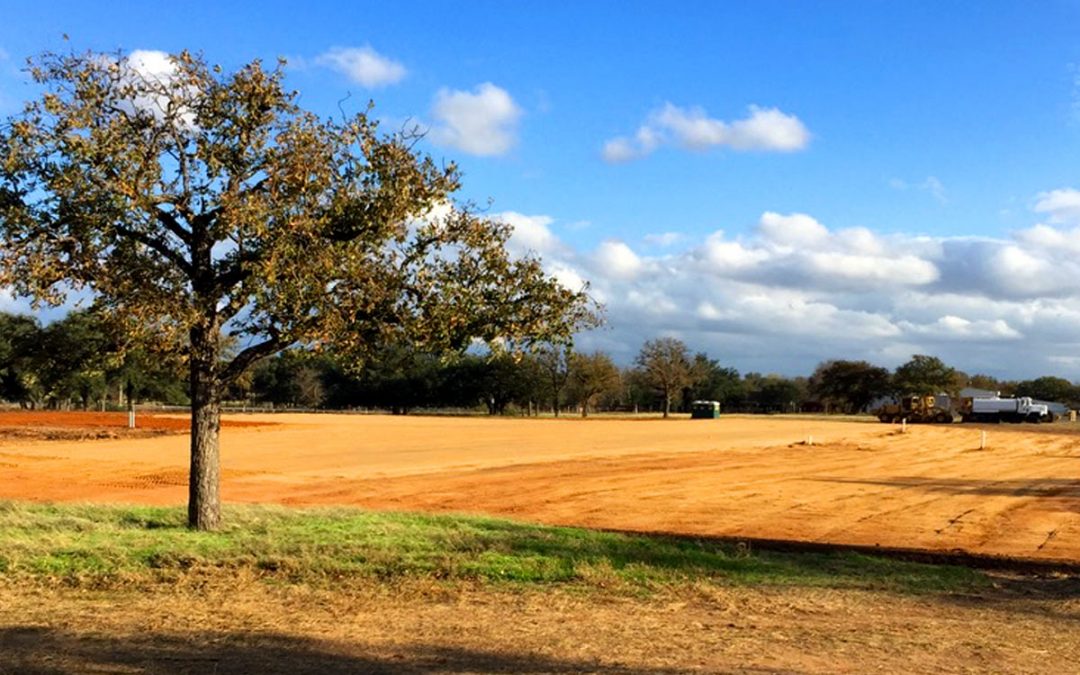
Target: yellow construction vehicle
column 915, row 409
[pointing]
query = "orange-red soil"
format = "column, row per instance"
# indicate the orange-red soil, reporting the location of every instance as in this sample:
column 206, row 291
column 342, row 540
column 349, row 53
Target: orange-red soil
column 865, row 484
column 69, row 419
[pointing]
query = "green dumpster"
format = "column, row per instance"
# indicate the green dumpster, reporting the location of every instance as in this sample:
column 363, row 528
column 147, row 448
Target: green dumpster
column 704, row 410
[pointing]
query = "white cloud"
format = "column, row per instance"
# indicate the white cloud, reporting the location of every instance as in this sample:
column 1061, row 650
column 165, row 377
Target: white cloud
column 768, row 129
column 793, row 292
column 1061, row 206
column 1046, row 237
column 617, row 259
column 481, row 122
column 664, row 239
column 152, row 76
column 729, row 256
column 363, row 65
column 151, row 64
column 532, row 234
column 902, row 271
column 931, row 185
column 764, row 129
column 619, row 150
column 797, row 229
column 950, row 327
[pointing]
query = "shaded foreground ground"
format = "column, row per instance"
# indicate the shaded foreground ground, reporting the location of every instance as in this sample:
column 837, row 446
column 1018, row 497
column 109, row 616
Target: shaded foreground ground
column 863, row 484
column 243, row 627
column 130, row 590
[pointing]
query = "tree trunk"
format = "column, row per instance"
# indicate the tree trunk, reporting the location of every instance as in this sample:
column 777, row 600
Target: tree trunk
column 667, row 404
column 585, row 408
column 204, row 500
column 555, row 405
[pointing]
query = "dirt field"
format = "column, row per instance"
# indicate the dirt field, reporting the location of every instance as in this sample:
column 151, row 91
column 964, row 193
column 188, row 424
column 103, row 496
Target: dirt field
column 861, row 484
column 48, row 425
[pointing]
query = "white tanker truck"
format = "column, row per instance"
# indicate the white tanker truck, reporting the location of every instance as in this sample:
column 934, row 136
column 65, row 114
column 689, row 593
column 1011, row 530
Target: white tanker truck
column 1021, row 409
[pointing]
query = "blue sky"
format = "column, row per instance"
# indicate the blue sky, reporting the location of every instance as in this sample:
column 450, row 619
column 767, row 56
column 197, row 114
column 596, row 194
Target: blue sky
column 774, row 182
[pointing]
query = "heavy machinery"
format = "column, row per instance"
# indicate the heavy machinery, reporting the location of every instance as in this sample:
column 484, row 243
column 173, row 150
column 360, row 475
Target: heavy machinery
column 998, row 410
column 915, row 409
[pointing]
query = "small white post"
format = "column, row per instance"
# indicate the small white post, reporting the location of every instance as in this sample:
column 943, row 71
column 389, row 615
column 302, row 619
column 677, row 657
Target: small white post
column 809, row 440
column 903, row 426
column 131, row 419
column 982, row 444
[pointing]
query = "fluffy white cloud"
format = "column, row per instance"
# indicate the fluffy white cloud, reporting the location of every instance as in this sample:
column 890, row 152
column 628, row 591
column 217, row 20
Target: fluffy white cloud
column 532, row 234
column 1051, row 238
column 1061, row 206
column 764, row 129
column 481, row 122
column 153, row 75
column 793, row 292
column 797, row 229
column 951, row 327
column 363, row 65
column 731, row 256
column 617, row 260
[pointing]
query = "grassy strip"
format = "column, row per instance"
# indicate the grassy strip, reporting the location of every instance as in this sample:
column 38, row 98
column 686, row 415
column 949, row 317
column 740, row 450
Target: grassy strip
column 107, row 545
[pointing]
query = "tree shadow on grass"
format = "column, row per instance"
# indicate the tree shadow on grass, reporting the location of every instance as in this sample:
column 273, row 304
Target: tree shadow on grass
column 46, row 651
column 565, row 554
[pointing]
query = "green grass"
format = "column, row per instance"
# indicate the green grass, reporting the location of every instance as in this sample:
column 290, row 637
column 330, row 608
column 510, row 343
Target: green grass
column 106, row 545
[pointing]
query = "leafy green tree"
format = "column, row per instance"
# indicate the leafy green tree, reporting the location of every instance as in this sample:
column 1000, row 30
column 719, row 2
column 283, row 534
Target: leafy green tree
column 20, row 340
column 665, row 367
column 553, row 361
column 987, row 382
column 292, row 378
column 198, row 204
column 72, row 359
column 849, row 385
column 401, row 379
column 713, row 382
column 773, row 393
column 143, row 375
column 1048, row 388
column 924, row 375
column 591, row 376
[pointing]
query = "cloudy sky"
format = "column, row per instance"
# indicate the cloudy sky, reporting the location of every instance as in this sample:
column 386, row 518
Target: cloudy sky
column 776, row 183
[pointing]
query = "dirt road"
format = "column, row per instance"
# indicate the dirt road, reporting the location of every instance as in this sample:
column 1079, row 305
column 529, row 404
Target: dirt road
column 858, row 483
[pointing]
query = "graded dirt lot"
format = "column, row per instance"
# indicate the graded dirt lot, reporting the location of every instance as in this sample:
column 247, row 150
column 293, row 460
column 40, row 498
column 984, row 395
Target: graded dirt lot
column 859, row 483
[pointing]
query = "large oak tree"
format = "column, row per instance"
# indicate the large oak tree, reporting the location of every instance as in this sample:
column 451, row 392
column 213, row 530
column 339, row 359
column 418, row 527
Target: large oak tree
column 201, row 208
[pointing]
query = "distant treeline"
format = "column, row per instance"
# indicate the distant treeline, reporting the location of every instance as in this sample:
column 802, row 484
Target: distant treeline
column 77, row 363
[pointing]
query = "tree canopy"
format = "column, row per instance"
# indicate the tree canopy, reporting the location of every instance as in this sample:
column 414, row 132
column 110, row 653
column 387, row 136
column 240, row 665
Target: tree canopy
column 198, row 206
column 666, row 368
column 925, row 375
column 850, row 385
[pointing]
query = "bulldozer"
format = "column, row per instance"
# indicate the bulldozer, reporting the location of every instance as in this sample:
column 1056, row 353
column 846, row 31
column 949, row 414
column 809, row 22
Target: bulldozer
column 915, row 409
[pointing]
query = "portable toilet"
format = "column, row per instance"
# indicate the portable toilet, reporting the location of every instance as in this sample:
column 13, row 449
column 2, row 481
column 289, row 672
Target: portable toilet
column 704, row 410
